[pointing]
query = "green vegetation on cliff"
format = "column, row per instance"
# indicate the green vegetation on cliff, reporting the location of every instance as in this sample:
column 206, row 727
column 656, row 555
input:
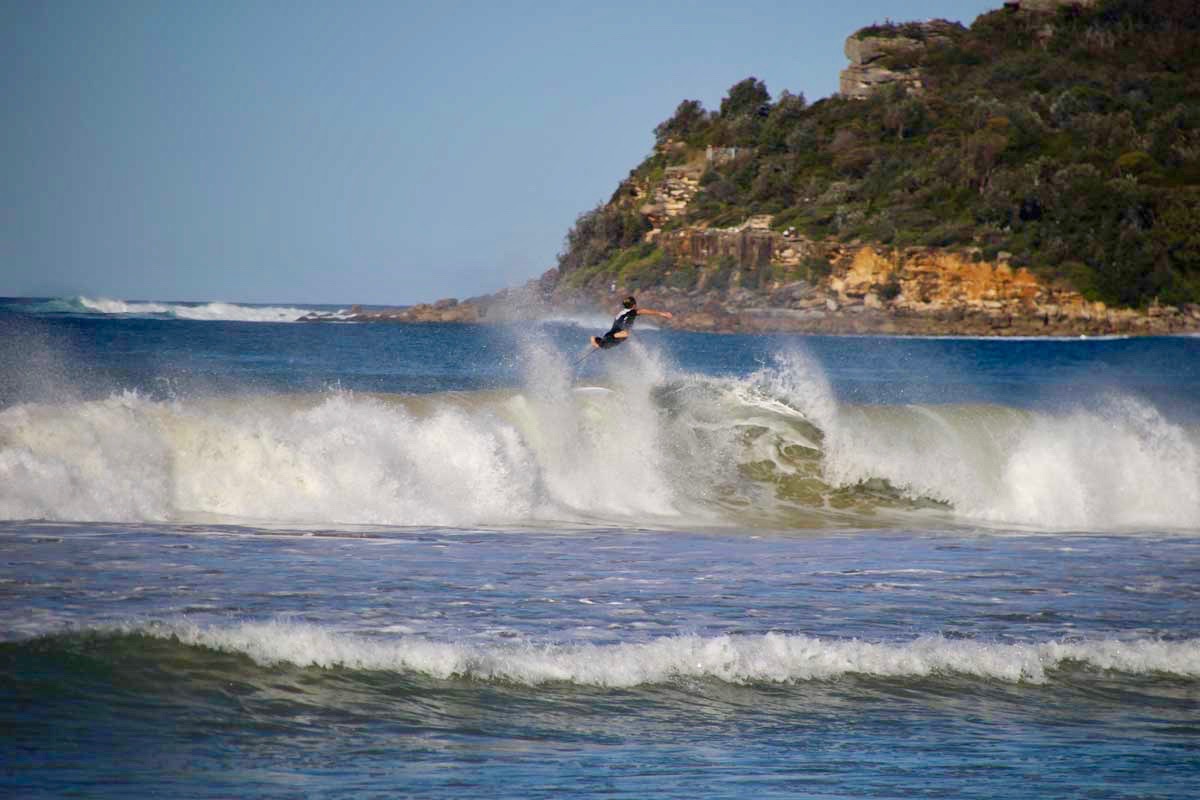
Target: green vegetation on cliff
column 1070, row 140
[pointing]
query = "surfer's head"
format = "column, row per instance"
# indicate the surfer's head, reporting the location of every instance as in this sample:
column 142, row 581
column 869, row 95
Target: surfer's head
column 629, row 302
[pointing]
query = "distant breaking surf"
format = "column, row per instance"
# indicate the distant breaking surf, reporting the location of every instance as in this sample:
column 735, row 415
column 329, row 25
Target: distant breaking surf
column 201, row 311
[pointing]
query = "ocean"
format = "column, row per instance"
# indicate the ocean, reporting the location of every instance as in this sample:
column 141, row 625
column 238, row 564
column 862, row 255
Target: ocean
column 245, row 556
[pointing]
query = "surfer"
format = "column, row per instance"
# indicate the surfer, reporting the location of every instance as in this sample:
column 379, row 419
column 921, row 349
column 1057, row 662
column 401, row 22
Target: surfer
column 621, row 326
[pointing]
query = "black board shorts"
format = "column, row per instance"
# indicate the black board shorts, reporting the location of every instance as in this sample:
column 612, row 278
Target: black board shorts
column 606, row 341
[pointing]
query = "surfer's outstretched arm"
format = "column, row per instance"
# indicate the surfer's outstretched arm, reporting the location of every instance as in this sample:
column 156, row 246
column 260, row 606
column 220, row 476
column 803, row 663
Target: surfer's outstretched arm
column 656, row 313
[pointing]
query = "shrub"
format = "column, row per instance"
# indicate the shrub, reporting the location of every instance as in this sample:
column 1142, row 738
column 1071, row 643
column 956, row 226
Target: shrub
column 1134, row 163
column 746, row 97
column 689, row 120
column 683, row 276
column 890, row 290
column 949, row 233
column 719, row 272
column 815, row 268
column 1080, row 99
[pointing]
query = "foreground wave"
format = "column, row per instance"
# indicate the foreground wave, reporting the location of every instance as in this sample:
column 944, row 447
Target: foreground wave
column 744, row 660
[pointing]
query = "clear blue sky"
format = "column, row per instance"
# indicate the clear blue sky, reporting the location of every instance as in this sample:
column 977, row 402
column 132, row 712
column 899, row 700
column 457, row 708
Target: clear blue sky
column 375, row 152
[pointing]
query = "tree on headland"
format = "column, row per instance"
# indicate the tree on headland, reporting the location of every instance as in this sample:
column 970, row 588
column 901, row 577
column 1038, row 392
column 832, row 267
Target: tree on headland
column 689, row 119
column 747, row 97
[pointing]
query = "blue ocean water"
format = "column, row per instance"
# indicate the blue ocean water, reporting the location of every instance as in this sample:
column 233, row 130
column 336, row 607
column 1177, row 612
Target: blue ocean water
column 246, row 556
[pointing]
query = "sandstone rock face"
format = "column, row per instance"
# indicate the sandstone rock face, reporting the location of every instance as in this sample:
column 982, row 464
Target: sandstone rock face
column 867, row 53
column 672, row 195
column 861, row 52
column 748, row 247
column 861, row 81
column 918, row 290
column 872, row 290
column 928, row 280
column 921, row 291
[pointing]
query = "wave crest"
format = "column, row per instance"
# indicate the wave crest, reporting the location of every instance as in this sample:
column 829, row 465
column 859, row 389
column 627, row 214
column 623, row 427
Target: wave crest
column 742, row 659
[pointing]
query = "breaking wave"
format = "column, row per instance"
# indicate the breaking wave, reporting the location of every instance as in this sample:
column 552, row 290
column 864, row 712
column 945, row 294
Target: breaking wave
column 646, row 446
column 737, row 659
column 208, row 312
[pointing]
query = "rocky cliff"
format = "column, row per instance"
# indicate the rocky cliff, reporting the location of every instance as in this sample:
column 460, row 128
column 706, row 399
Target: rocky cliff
column 869, row 289
column 884, row 55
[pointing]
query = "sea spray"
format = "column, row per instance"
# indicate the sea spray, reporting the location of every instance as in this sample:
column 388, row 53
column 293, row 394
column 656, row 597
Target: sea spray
column 797, row 379
column 596, row 453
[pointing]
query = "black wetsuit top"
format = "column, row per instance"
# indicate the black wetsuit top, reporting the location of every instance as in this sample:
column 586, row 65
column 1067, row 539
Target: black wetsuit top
column 623, row 322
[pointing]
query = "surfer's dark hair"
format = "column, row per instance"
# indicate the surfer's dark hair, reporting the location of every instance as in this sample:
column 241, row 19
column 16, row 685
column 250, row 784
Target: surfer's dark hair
column 629, row 302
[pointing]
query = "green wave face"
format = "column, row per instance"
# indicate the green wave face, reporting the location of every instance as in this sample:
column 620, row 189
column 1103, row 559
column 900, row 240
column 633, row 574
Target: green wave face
column 781, row 476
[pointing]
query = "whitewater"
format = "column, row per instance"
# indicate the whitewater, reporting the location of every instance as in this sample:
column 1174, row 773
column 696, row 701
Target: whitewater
column 707, row 451
column 246, row 556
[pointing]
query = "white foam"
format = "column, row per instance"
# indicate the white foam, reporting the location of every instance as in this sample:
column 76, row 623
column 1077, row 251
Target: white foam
column 582, row 319
column 1120, row 465
column 216, row 311
column 545, row 453
column 92, row 461
column 595, row 452
column 750, row 659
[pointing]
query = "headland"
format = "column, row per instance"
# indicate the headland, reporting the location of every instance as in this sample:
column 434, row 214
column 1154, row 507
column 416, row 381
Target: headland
column 1034, row 174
